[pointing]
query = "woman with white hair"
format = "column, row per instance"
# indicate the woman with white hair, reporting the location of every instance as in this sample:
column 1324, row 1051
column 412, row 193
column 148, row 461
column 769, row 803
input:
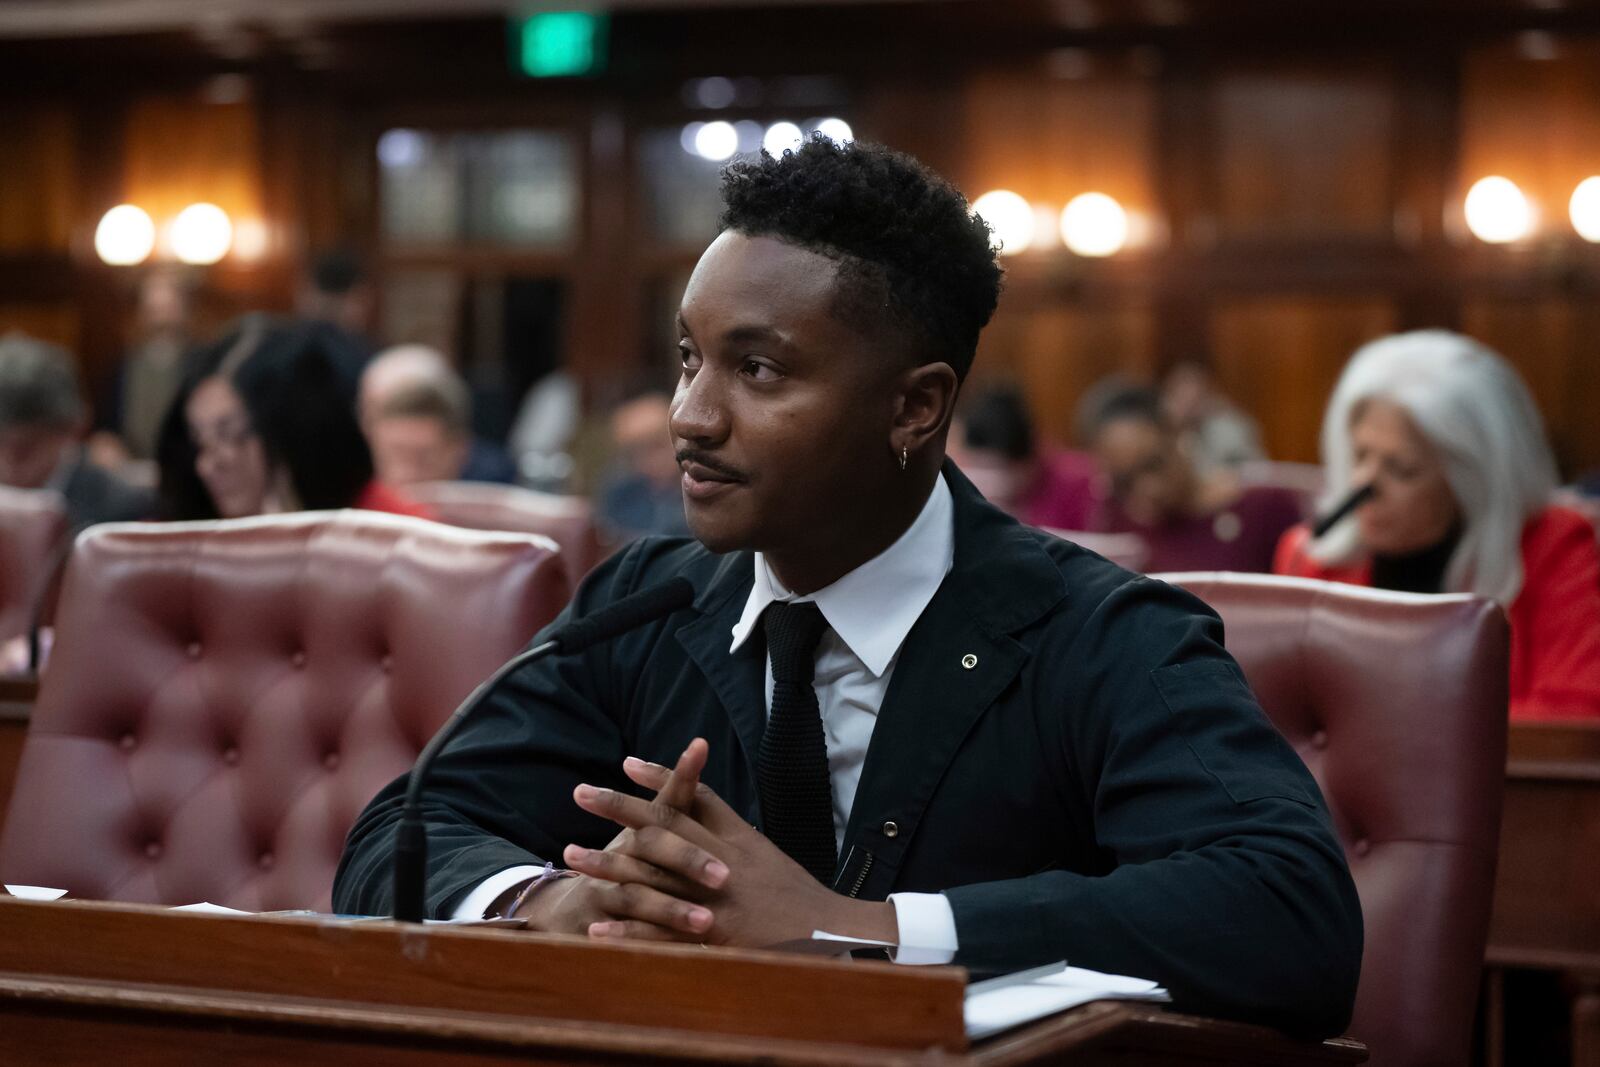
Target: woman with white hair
column 1448, row 439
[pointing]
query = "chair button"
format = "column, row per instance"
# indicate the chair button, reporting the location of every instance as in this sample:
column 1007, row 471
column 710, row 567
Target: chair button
column 194, row 650
column 265, row 861
column 230, row 756
column 1319, row 739
column 127, row 742
column 387, row 663
column 152, row 850
column 331, row 761
column 1361, row 847
column 298, row 659
column 891, row 829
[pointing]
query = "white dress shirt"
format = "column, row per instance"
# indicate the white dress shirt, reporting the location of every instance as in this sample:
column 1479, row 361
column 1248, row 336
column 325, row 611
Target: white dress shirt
column 869, row 613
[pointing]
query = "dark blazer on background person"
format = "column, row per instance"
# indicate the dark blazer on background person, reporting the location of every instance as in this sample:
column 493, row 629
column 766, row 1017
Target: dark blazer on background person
column 1065, row 750
column 95, row 495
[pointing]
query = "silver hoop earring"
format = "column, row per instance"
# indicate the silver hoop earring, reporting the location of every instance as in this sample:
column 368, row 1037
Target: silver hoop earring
column 904, row 456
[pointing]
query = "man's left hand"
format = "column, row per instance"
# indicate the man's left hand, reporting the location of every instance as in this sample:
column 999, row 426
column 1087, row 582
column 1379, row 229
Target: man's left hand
column 767, row 898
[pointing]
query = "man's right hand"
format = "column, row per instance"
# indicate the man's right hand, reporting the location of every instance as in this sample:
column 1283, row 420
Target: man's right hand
column 640, row 861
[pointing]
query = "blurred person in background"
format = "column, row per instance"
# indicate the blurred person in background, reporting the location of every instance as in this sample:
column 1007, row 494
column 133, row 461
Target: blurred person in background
column 42, row 421
column 1214, row 433
column 1190, row 519
column 265, row 422
column 335, row 290
column 418, row 369
column 1448, row 437
column 421, row 433
column 642, row 493
column 994, row 444
column 150, row 373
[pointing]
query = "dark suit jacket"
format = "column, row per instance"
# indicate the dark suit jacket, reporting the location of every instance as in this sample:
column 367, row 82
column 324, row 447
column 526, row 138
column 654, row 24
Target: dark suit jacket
column 95, row 495
column 1100, row 786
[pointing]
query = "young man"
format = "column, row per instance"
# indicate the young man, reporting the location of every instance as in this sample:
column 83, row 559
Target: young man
column 950, row 731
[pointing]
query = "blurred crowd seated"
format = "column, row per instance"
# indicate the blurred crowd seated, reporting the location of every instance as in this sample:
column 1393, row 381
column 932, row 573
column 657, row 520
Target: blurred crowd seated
column 284, row 414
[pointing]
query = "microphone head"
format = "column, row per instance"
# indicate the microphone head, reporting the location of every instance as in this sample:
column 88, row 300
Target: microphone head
column 634, row 610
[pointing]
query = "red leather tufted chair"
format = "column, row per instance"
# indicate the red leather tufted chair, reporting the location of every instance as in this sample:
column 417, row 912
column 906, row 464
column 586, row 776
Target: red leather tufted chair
column 33, row 529
column 1398, row 704
column 225, row 697
column 566, row 520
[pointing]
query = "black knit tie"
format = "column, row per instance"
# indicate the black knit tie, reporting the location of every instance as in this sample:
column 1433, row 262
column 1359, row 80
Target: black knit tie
column 796, row 793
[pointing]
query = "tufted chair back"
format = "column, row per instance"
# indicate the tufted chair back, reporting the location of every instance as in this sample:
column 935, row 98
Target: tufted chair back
column 566, row 520
column 225, row 697
column 33, row 529
column 1398, row 705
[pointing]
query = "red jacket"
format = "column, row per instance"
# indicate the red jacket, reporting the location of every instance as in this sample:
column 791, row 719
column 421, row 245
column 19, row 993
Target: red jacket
column 379, row 497
column 1555, row 620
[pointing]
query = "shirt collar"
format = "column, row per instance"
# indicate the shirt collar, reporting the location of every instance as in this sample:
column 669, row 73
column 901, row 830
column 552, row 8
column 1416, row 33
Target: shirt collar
column 873, row 608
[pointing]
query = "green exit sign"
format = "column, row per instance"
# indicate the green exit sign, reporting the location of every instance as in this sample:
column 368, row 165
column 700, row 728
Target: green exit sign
column 559, row 44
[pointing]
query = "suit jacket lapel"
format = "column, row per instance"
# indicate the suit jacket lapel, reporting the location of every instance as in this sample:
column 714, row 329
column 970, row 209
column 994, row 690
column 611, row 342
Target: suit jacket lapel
column 737, row 678
column 955, row 663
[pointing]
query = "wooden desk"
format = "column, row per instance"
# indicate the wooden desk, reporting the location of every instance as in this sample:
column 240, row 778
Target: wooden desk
column 80, row 982
column 16, row 705
column 1547, row 889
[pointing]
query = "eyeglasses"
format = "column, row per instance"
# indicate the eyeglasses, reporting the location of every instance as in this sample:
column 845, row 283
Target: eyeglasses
column 225, row 435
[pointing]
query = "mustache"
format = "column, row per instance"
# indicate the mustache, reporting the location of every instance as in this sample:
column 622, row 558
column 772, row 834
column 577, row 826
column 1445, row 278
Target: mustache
column 700, row 459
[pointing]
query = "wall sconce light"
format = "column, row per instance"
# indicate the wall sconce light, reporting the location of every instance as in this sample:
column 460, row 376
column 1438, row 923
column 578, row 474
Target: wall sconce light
column 125, row 236
column 1585, row 208
column 1497, row 211
column 201, row 234
column 1009, row 216
column 1094, row 224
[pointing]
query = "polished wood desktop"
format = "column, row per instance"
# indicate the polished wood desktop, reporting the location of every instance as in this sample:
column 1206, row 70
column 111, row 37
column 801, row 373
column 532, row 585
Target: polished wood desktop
column 1547, row 890
column 83, row 981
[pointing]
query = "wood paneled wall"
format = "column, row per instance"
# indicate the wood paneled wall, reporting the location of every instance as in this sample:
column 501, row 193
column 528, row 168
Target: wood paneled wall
column 1302, row 200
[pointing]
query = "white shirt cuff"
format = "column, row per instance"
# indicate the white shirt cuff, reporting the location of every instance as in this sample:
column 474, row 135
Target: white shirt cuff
column 927, row 928
column 488, row 891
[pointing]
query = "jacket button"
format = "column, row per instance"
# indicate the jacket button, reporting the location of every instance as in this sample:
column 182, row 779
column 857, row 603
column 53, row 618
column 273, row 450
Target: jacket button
column 969, row 661
column 891, row 829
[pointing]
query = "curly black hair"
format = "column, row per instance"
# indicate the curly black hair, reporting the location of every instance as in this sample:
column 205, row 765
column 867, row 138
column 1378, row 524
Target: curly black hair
column 911, row 256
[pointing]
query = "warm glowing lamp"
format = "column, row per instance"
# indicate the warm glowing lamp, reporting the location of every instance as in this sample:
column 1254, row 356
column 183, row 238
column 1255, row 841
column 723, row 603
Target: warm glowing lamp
column 836, row 130
column 716, row 141
column 201, row 234
column 1094, row 224
column 1009, row 216
column 1585, row 208
column 125, row 236
column 782, row 137
column 1497, row 212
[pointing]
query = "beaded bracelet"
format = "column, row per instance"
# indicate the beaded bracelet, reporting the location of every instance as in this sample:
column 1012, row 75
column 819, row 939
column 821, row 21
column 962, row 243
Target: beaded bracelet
column 549, row 874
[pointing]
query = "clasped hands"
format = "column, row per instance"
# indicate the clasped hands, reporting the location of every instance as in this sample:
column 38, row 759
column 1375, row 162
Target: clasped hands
column 687, row 867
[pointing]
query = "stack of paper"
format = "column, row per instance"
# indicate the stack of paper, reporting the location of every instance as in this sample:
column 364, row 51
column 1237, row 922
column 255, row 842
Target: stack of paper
column 1011, row 1000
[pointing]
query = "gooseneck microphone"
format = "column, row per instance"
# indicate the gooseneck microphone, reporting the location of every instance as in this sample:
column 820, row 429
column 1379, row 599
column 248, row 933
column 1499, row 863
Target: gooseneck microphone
column 411, row 840
column 1358, row 496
